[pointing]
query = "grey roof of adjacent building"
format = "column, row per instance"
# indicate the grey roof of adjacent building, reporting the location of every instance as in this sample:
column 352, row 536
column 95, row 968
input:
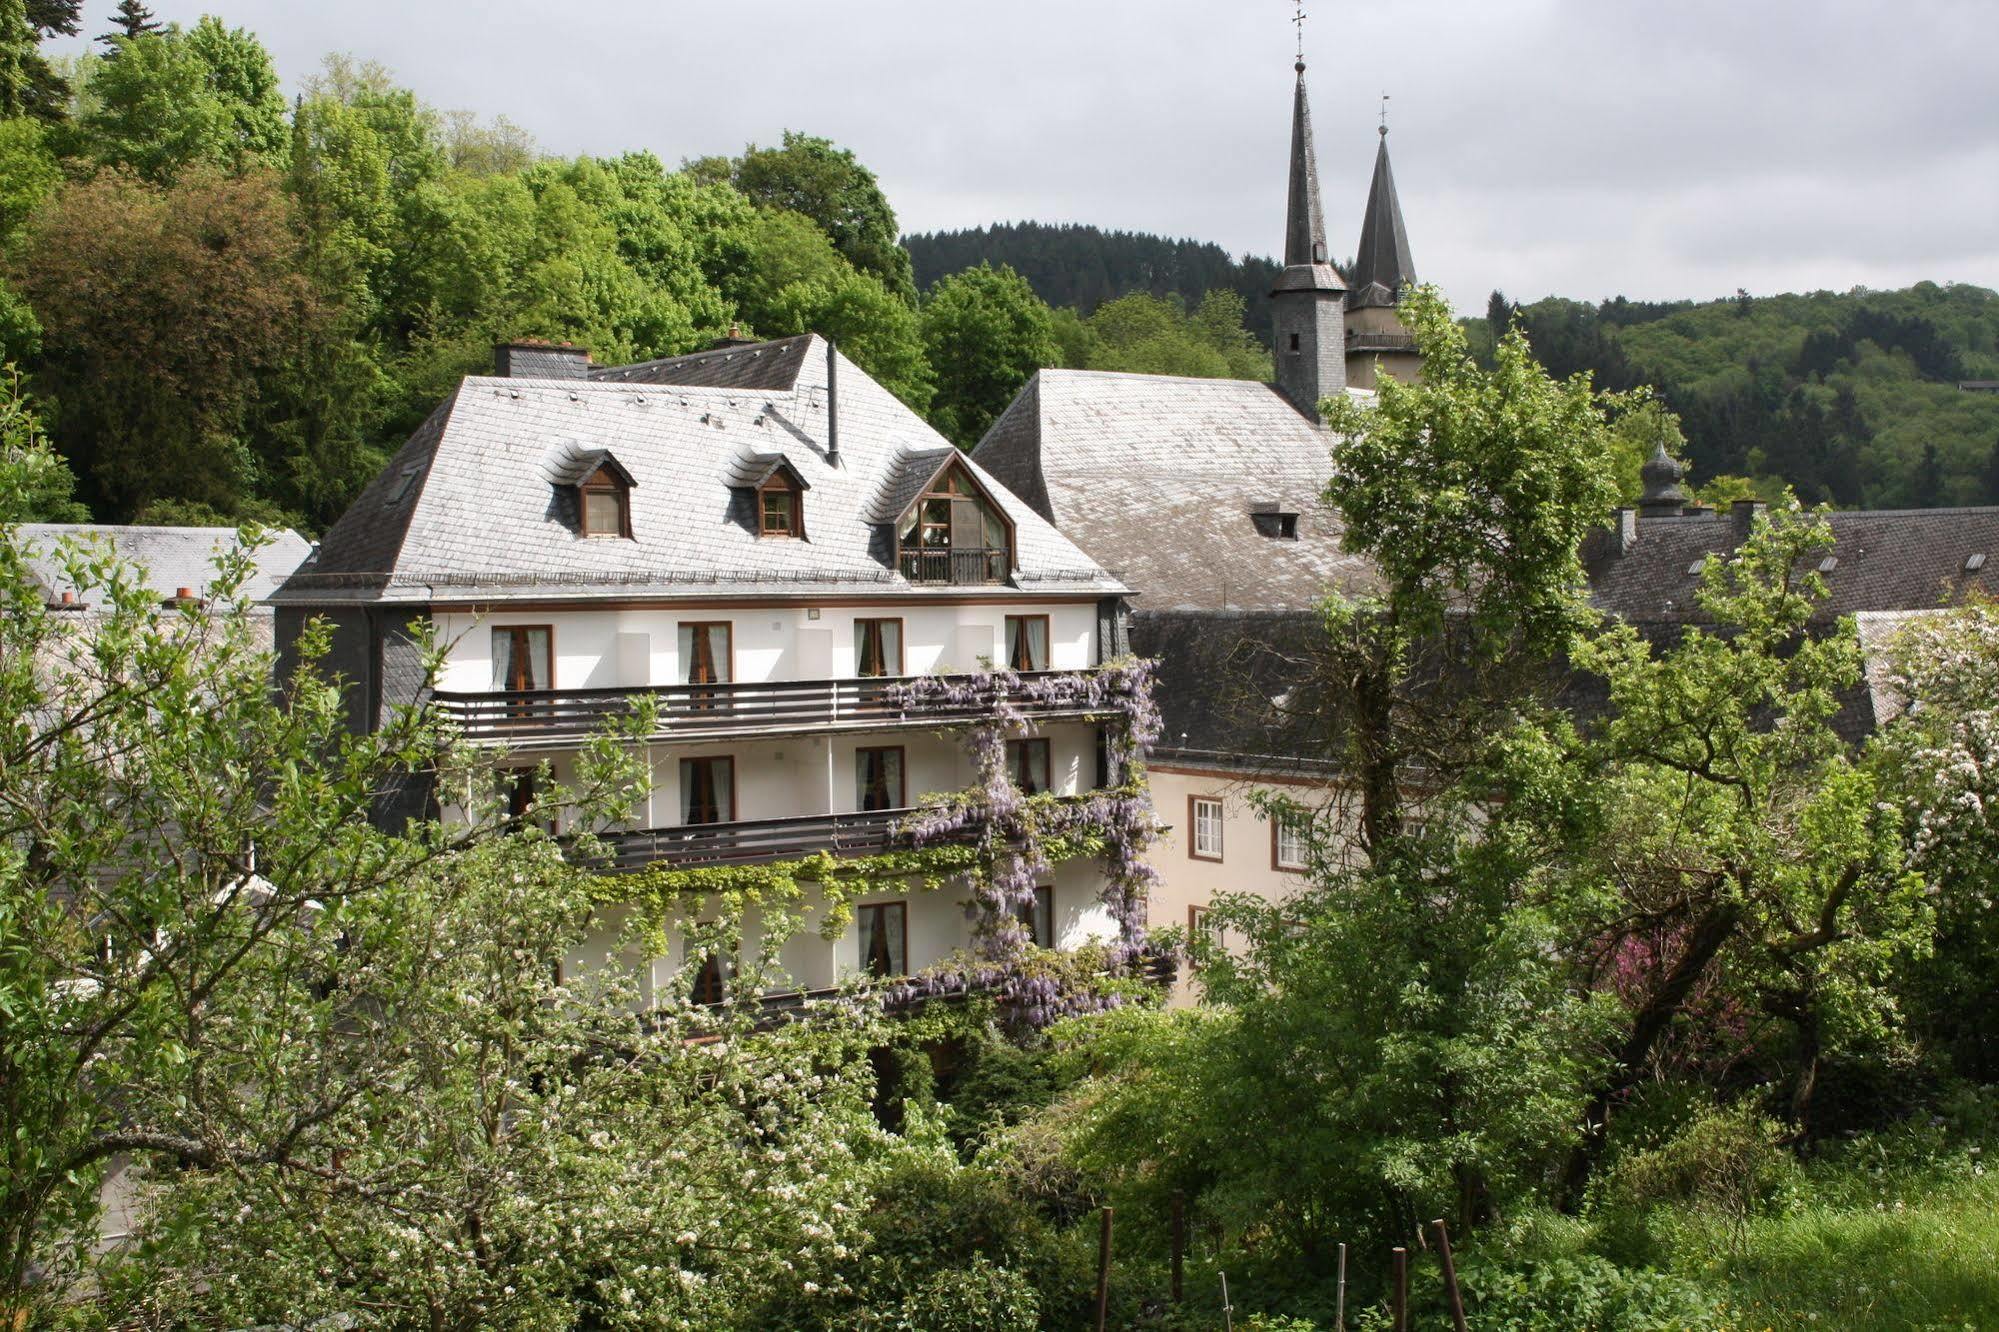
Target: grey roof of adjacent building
column 1882, row 560
column 170, row 558
column 1157, row 478
column 466, row 511
column 1382, row 266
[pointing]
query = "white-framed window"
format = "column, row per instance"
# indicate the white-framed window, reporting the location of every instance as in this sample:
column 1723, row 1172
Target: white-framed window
column 1204, row 819
column 1291, row 841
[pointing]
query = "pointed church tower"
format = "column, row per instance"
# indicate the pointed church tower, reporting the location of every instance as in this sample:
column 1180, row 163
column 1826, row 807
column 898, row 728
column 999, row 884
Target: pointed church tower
column 1309, row 298
column 1377, row 343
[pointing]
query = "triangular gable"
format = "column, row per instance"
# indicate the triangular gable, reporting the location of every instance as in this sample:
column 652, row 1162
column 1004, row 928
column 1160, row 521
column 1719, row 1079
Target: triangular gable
column 579, row 468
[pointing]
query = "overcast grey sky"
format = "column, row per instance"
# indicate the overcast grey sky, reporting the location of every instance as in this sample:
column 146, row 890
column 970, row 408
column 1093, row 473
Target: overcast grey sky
column 1578, row 147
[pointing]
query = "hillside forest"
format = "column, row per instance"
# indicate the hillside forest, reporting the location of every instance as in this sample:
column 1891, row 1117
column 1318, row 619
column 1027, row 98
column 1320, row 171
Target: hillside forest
column 228, row 304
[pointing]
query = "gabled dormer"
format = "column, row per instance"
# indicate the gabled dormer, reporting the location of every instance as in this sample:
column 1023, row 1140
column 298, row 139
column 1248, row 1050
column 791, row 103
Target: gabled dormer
column 776, row 489
column 948, row 528
column 600, row 489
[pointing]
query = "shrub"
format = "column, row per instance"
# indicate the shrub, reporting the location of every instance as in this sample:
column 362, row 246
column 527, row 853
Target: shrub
column 980, row 1297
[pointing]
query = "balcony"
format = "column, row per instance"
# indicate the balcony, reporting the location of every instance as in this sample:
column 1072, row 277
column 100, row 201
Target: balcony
column 1364, row 340
column 974, row 565
column 758, row 841
column 558, row 718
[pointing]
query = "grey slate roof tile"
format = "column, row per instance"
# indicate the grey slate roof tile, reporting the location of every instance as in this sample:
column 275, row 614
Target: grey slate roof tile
column 1157, row 476
column 480, row 521
column 171, row 557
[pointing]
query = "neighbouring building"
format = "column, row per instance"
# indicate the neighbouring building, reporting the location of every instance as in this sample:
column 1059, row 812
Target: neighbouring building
column 769, row 545
column 1204, row 496
column 1377, row 343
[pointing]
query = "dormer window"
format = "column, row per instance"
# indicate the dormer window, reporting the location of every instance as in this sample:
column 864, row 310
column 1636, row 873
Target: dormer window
column 780, row 509
column 1276, row 524
column 603, row 490
column 952, row 531
column 775, row 491
column 607, row 510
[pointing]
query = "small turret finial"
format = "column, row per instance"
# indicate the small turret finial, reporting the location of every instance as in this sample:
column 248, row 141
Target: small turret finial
column 1299, row 20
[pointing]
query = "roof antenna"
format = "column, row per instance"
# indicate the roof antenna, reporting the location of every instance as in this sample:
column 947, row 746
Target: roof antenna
column 1299, row 19
column 1384, row 115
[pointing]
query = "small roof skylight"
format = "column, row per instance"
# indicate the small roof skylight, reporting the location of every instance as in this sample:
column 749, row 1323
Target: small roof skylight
column 1828, row 564
column 1973, row 563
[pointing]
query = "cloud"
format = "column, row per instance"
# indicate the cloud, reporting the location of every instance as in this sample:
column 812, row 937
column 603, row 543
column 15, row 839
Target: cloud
column 1578, row 147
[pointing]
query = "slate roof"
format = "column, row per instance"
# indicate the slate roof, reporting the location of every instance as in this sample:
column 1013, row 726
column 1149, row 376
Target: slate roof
column 1382, row 266
column 1157, row 477
column 466, row 512
column 1885, row 560
column 764, row 365
column 171, row 557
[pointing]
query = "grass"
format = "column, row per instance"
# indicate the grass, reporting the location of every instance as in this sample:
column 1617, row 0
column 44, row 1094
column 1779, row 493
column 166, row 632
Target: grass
column 1918, row 1264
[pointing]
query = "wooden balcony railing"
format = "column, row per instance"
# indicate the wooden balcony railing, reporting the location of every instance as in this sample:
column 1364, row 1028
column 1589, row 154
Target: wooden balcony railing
column 539, row 718
column 755, row 841
column 958, row 564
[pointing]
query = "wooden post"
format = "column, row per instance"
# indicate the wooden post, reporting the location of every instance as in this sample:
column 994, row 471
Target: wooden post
column 1104, row 1272
column 1340, row 1306
column 1450, row 1275
column 1399, row 1293
column 1228, row 1310
column 1179, row 1238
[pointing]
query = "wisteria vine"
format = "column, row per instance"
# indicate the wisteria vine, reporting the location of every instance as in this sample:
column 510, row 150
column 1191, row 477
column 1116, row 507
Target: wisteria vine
column 1014, row 833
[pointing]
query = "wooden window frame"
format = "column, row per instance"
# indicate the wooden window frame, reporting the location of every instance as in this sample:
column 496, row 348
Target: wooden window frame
column 1033, row 912
column 1277, row 861
column 597, row 483
column 724, row 972
column 940, row 488
column 901, row 647
column 735, row 806
column 795, row 530
column 548, row 629
column 1013, row 764
column 902, row 768
column 524, row 775
column 1194, row 851
column 687, row 667
column 901, row 906
column 1047, row 640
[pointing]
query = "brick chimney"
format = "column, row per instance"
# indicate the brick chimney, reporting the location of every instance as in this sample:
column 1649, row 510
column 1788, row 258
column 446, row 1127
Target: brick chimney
column 541, row 360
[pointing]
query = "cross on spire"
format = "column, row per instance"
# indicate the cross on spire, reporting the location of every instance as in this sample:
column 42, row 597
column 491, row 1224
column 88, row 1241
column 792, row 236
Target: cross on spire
column 1384, row 115
column 1299, row 20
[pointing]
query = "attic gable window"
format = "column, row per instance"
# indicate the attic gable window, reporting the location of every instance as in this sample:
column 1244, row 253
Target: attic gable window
column 953, row 532
column 603, row 490
column 780, row 508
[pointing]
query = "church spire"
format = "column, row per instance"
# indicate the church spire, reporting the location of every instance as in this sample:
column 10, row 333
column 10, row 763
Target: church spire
column 1309, row 301
column 1304, row 215
column 1382, row 266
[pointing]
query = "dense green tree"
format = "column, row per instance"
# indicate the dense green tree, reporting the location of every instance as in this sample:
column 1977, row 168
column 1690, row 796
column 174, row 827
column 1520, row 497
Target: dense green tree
column 186, row 97
column 29, row 84
column 986, row 333
column 161, row 309
column 828, row 184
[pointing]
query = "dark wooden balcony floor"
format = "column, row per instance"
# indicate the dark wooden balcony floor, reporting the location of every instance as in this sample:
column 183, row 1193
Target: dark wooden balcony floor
column 556, row 718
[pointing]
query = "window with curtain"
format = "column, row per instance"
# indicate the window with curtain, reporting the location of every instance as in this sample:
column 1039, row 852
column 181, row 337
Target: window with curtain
column 1205, row 841
column 1291, row 842
column 1027, row 642
column 877, row 648
column 1027, row 763
column 878, row 775
column 606, row 509
column 521, row 658
column 707, row 790
column 705, row 656
column 884, row 935
column 1038, row 917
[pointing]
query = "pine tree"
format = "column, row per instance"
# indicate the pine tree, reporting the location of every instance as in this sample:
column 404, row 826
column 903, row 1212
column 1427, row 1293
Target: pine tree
column 1928, row 486
column 132, row 20
column 1992, row 474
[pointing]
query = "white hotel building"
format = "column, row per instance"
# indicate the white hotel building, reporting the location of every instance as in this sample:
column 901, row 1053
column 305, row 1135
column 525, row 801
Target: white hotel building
column 763, row 540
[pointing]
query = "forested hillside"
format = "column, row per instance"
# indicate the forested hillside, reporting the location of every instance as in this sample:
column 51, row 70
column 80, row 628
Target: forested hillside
column 1849, row 397
column 1083, row 267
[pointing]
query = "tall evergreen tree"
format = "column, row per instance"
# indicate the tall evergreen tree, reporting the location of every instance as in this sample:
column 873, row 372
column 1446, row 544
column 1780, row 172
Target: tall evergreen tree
column 132, row 20
column 1926, row 491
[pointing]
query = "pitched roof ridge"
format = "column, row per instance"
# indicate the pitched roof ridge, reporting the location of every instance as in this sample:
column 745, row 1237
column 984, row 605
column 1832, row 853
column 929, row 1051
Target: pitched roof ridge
column 1066, row 371
column 609, row 373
